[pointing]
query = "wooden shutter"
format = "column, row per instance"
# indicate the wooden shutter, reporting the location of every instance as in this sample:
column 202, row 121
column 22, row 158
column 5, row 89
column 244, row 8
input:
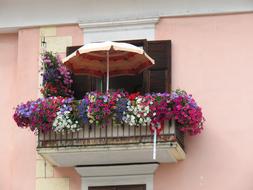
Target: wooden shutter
column 71, row 49
column 160, row 74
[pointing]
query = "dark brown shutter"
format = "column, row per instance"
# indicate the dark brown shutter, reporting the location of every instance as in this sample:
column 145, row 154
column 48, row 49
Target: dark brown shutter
column 71, row 49
column 160, row 73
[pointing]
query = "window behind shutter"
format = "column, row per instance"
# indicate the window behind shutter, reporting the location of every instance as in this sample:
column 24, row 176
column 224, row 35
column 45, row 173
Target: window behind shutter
column 155, row 79
column 71, row 49
column 81, row 83
column 160, row 73
column 131, row 83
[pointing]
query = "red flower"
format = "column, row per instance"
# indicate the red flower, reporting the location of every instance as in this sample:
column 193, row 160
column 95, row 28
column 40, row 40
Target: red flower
column 132, row 96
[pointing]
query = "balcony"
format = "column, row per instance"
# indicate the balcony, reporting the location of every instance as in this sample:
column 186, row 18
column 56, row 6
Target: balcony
column 111, row 144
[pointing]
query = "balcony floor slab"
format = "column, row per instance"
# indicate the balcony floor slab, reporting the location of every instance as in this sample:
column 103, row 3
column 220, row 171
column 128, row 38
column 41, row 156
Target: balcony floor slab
column 112, row 154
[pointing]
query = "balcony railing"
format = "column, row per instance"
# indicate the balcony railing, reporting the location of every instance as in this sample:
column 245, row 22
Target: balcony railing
column 111, row 134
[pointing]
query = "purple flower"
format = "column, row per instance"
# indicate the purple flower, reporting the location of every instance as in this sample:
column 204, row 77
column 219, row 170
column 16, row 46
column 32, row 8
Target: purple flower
column 57, row 79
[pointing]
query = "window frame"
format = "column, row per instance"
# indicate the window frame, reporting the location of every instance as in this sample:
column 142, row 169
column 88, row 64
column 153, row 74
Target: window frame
column 148, row 73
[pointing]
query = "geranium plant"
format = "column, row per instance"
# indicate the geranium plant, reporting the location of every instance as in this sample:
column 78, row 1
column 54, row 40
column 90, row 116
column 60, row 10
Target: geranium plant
column 38, row 115
column 57, row 78
column 67, row 118
column 138, row 109
column 96, row 108
column 102, row 106
column 186, row 112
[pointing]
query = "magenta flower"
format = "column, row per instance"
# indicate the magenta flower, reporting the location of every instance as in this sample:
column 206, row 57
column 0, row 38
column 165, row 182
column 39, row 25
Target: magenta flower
column 97, row 108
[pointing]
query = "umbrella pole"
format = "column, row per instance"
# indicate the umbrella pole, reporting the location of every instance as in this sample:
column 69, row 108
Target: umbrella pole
column 107, row 72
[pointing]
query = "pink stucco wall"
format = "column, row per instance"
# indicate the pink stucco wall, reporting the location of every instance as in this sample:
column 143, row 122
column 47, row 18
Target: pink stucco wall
column 212, row 58
column 8, row 52
column 77, row 39
column 18, row 73
column 71, row 30
column 19, row 66
column 74, row 177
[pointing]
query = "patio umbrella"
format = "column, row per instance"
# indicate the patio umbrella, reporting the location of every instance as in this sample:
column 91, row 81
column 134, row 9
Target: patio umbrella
column 108, row 59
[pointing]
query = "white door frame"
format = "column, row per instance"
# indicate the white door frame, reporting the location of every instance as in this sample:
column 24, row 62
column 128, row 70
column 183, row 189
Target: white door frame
column 118, row 180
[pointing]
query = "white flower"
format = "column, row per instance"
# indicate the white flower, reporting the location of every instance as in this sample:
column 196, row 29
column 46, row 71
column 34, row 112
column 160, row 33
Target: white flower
column 63, row 121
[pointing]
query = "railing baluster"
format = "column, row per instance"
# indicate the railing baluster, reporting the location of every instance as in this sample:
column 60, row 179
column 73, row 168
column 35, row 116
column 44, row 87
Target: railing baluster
column 106, row 134
column 129, row 130
column 83, row 141
column 134, row 132
column 72, row 136
column 117, row 130
column 112, row 135
column 140, row 135
column 66, row 137
column 39, row 139
column 95, row 128
column 123, row 126
column 44, row 136
column 100, row 134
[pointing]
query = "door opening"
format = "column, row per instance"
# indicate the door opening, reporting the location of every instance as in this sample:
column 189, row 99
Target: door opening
column 119, row 187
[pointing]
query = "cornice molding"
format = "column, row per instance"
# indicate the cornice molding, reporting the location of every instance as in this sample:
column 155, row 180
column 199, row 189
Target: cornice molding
column 141, row 28
column 119, row 24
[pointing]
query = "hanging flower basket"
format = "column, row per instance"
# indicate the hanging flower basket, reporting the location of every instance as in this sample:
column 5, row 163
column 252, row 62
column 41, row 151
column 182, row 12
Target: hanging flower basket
column 96, row 109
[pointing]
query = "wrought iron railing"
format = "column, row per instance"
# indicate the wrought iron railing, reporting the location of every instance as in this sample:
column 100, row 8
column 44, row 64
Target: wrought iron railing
column 111, row 134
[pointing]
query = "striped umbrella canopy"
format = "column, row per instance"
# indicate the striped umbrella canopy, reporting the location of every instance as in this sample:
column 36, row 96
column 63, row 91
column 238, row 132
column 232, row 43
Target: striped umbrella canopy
column 108, row 59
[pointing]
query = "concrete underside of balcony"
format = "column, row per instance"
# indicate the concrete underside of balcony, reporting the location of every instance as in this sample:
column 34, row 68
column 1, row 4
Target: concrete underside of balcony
column 167, row 152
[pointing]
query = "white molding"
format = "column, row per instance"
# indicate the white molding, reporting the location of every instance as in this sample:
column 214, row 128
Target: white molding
column 120, row 30
column 118, row 180
column 16, row 14
column 117, row 170
column 96, row 26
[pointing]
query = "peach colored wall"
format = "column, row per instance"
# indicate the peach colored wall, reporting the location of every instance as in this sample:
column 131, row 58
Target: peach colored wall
column 212, row 58
column 71, row 30
column 18, row 73
column 19, row 66
column 8, row 55
column 74, row 177
column 77, row 39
